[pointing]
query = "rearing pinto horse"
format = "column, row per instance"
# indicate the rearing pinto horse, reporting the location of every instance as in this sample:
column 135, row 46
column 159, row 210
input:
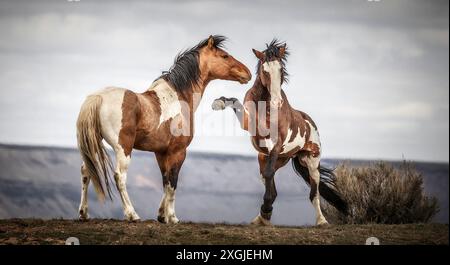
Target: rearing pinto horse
column 150, row 121
column 292, row 134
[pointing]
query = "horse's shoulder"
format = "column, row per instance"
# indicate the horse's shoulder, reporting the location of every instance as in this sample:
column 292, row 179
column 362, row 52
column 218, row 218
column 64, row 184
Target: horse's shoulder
column 249, row 95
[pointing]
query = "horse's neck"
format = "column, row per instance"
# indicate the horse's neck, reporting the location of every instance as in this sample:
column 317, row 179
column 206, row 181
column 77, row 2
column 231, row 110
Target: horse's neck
column 197, row 91
column 261, row 93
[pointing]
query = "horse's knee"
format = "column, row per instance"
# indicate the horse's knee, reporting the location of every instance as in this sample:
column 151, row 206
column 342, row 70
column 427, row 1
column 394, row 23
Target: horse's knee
column 313, row 193
column 84, row 175
column 269, row 197
column 120, row 180
column 83, row 170
column 268, row 173
column 85, row 180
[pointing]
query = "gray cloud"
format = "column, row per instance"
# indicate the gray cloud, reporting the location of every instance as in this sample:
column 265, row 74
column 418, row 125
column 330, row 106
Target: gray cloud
column 374, row 75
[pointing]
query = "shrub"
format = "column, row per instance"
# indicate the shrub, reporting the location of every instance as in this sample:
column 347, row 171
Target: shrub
column 381, row 193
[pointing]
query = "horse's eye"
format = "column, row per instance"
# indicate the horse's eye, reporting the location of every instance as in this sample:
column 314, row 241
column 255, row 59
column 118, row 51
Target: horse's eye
column 225, row 56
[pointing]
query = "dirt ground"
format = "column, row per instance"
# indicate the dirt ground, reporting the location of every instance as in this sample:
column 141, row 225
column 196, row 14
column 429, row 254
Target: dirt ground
column 106, row 232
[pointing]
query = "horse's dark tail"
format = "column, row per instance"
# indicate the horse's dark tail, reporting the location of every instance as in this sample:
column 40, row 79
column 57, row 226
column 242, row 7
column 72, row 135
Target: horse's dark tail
column 327, row 185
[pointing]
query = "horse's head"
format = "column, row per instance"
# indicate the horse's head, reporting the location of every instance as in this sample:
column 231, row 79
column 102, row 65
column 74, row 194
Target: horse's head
column 271, row 68
column 271, row 65
column 220, row 64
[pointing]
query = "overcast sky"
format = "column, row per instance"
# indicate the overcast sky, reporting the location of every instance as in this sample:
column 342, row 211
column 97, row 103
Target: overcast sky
column 373, row 75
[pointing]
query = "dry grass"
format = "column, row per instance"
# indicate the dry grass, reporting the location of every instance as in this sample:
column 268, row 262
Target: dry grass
column 381, row 193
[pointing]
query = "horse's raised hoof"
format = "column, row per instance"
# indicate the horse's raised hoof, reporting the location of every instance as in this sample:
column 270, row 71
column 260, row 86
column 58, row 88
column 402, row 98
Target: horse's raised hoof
column 218, row 104
column 260, row 221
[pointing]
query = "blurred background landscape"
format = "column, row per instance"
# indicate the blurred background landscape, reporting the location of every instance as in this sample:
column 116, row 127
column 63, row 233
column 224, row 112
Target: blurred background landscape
column 44, row 182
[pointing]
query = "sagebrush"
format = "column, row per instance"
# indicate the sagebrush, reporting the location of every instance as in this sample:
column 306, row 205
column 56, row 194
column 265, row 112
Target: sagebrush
column 381, row 193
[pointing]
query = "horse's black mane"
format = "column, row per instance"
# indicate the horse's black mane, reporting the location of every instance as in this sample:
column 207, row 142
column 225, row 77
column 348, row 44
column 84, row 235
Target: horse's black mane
column 273, row 51
column 185, row 71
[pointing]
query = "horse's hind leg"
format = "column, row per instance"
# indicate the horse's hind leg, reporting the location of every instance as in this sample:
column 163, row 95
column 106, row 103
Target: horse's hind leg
column 120, row 176
column 85, row 179
column 312, row 164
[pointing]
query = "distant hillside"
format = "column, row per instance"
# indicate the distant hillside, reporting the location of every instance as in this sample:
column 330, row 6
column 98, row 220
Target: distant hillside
column 44, row 182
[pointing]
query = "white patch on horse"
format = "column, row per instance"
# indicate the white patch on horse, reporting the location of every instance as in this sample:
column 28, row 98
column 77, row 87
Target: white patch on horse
column 168, row 204
column 298, row 141
column 268, row 143
column 168, row 100
column 122, row 163
column 111, row 124
column 314, row 135
column 262, row 179
column 274, row 70
column 111, row 113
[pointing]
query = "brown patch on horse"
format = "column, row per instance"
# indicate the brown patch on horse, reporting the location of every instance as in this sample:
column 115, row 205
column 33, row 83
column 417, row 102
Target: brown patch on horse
column 294, row 133
column 313, row 192
column 130, row 110
column 308, row 118
column 313, row 148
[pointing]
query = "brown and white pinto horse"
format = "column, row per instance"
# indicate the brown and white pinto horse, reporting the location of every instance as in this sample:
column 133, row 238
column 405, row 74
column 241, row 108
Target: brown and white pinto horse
column 292, row 134
column 158, row 120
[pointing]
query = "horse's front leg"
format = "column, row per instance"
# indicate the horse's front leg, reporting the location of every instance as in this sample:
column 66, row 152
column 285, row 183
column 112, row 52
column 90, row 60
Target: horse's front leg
column 234, row 103
column 268, row 165
column 170, row 164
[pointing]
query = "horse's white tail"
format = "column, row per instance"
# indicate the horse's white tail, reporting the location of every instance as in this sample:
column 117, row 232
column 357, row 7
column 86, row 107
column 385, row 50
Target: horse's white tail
column 92, row 150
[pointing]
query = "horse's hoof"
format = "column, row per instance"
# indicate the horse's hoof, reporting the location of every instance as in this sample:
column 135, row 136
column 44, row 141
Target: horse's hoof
column 133, row 217
column 169, row 220
column 218, row 104
column 161, row 219
column 260, row 221
column 83, row 218
column 322, row 223
column 173, row 220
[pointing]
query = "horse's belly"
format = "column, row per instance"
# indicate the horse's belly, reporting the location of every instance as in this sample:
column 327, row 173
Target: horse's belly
column 147, row 141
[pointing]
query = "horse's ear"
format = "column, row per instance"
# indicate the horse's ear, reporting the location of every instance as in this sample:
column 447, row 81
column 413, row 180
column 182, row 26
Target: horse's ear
column 258, row 54
column 210, row 42
column 282, row 50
